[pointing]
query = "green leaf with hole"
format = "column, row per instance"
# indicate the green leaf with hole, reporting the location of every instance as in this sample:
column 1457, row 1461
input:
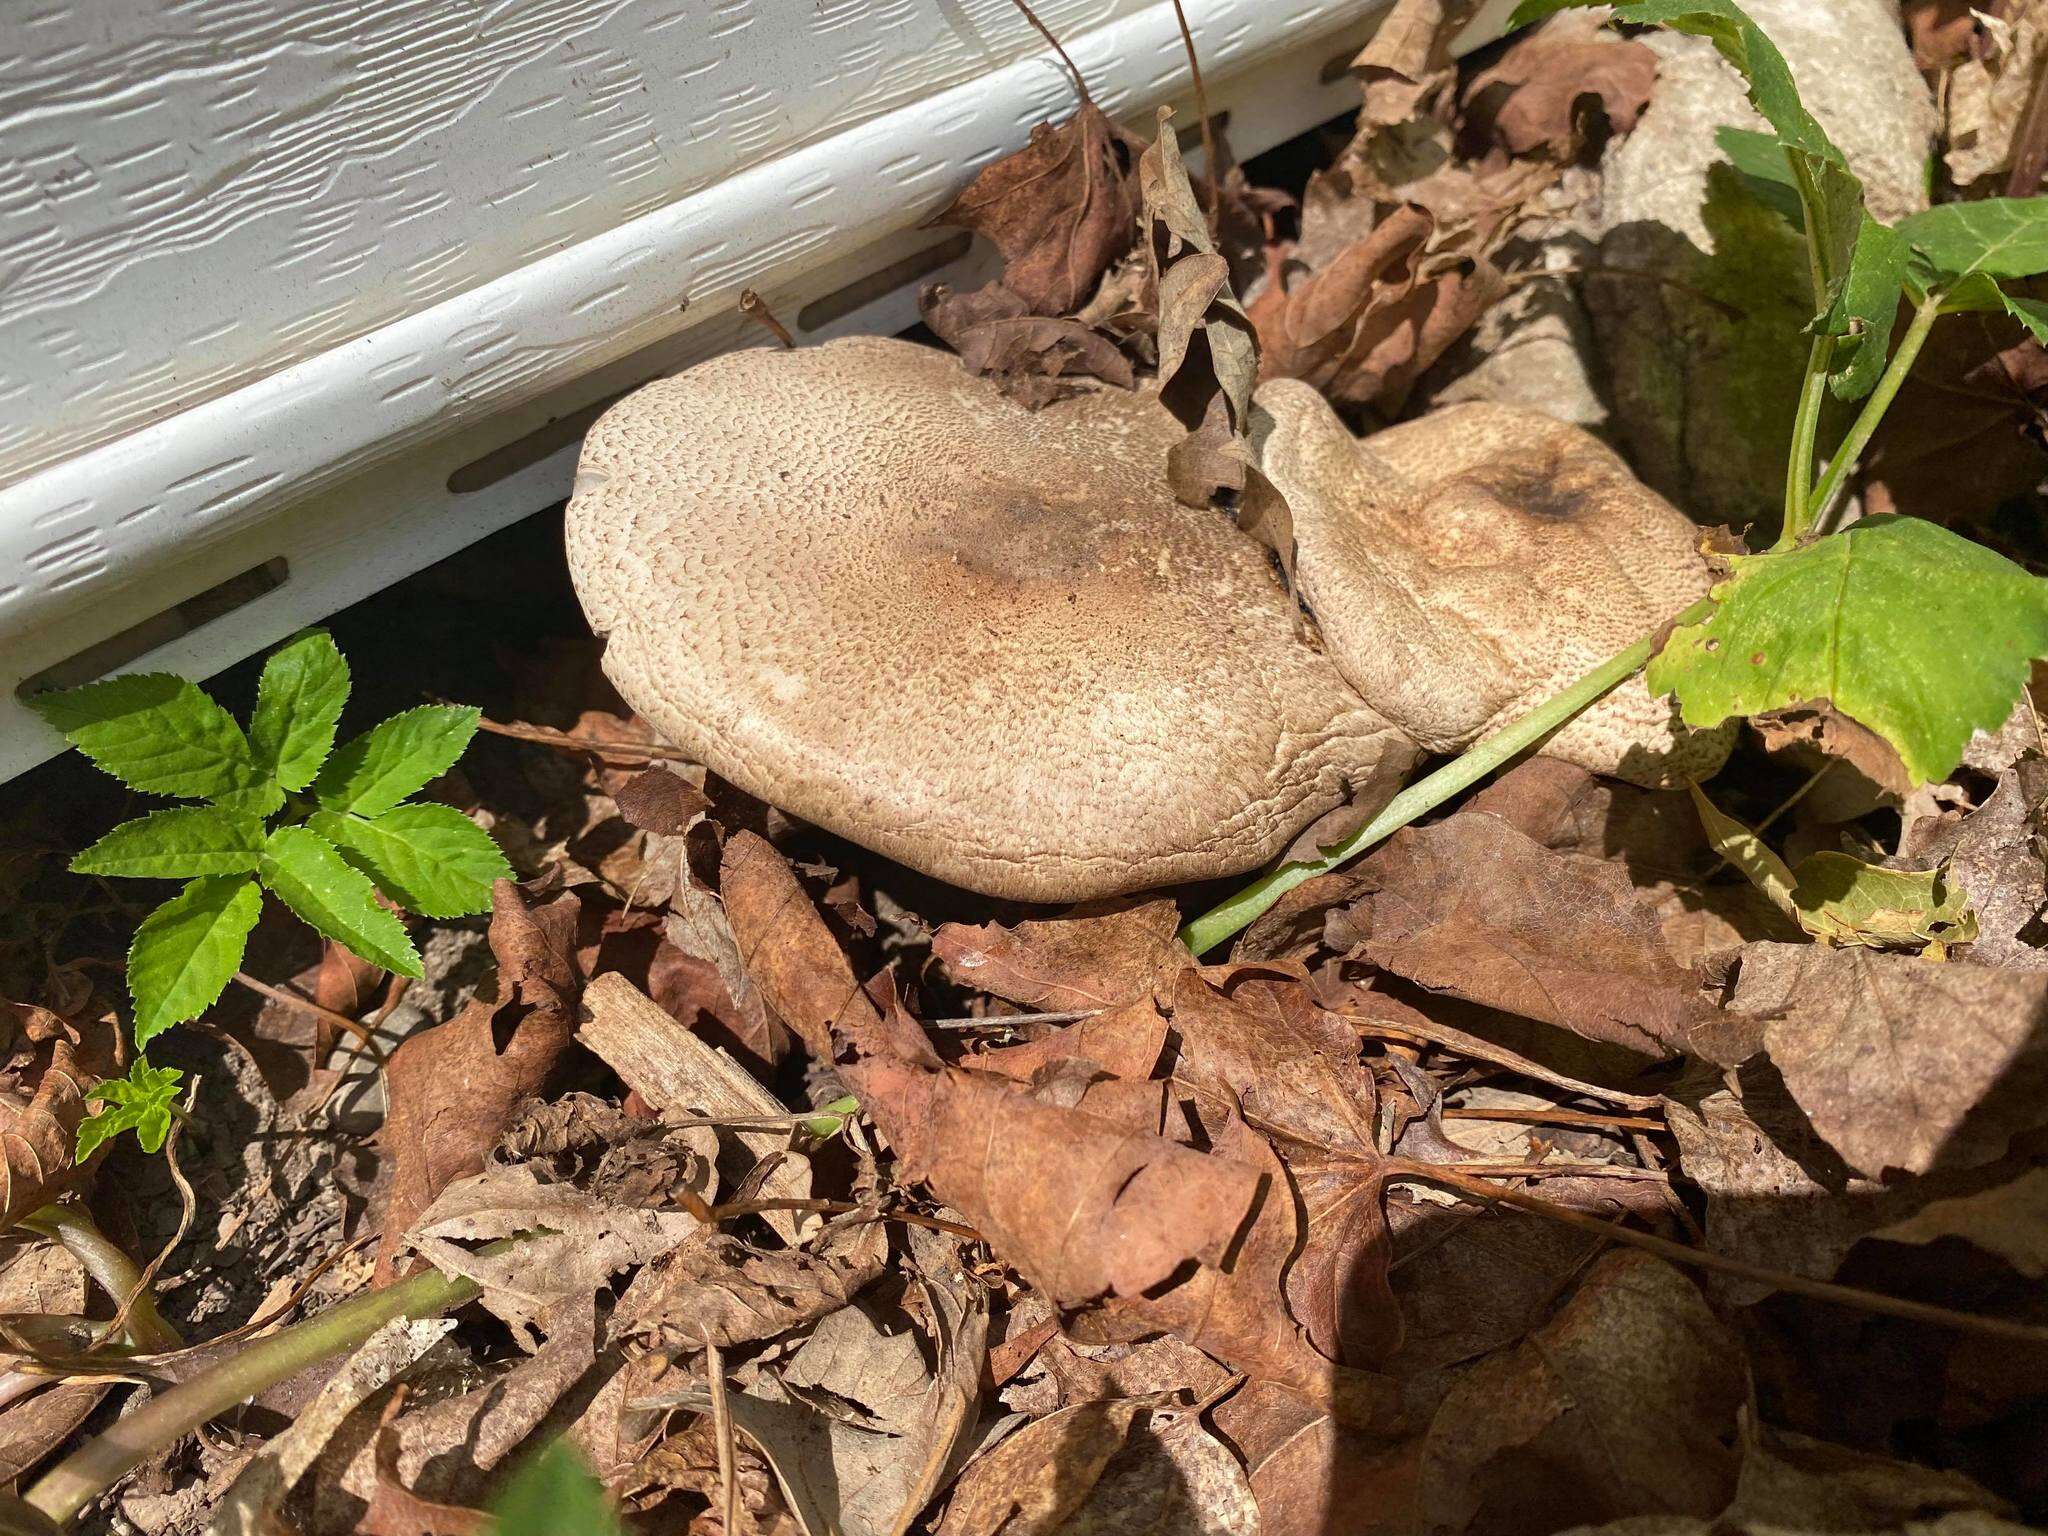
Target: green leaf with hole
column 188, row 949
column 176, row 844
column 552, row 1493
column 140, row 1102
column 379, row 768
column 1842, row 900
column 1916, row 632
column 299, row 699
column 158, row 733
column 430, row 859
column 1863, row 308
column 310, row 876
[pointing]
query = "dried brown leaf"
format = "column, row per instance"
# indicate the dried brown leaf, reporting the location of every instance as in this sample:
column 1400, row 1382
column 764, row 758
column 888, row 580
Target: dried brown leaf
column 2009, row 1220
column 1544, row 93
column 1901, row 1062
column 1030, row 1483
column 657, row 800
column 1622, row 1404
column 1036, row 358
column 1084, row 1207
column 1092, row 957
column 1060, row 210
column 1170, row 1476
column 1409, row 60
column 455, row 1090
column 1313, row 1470
column 716, row 1285
column 1472, row 907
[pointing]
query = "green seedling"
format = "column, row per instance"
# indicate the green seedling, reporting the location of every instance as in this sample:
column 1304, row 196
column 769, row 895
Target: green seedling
column 322, row 828
column 553, row 1493
column 1918, row 633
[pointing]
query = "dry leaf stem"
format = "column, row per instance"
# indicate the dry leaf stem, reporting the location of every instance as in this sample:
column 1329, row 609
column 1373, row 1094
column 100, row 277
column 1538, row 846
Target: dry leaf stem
column 111, row 1269
column 1702, row 1258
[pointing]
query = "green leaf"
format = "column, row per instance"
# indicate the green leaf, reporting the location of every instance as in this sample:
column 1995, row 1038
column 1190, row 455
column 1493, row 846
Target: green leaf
column 379, row 768
column 430, row 859
column 187, row 950
column 140, row 1102
column 1999, row 237
column 1978, row 293
column 298, row 704
column 175, row 844
column 1917, row 632
column 155, row 732
column 308, row 875
column 552, row 1493
column 1764, row 170
column 1862, row 311
column 1842, row 900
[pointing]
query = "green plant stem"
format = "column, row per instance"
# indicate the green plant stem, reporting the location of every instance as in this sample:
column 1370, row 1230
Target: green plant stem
column 95, row 1467
column 1813, row 393
column 111, row 1269
column 1239, row 911
column 1845, row 459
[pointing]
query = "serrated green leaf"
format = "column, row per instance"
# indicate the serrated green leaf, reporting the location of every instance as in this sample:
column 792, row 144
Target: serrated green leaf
column 379, row 768
column 1914, row 631
column 298, row 704
column 141, row 1102
column 1864, row 306
column 187, row 950
column 307, row 873
column 552, row 1493
column 175, row 844
column 1829, row 193
column 155, row 732
column 430, row 859
column 1842, row 900
column 1998, row 237
column 1980, row 294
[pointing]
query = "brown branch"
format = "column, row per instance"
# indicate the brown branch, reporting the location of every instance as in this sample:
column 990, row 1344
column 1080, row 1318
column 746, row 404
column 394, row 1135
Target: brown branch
column 340, row 1021
column 754, row 307
column 545, row 736
column 1212, row 168
column 1080, row 81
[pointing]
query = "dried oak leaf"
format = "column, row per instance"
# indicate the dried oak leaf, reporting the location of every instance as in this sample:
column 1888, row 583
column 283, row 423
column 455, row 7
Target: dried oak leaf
column 1551, row 86
column 455, row 1089
column 1084, row 1207
column 1095, row 956
column 1622, row 1404
column 1901, row 1062
column 1060, row 210
column 1564, row 940
column 717, row 1286
column 1037, row 359
column 1363, row 327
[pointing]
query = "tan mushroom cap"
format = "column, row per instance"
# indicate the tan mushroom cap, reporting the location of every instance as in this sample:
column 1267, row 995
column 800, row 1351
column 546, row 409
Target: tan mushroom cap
column 1467, row 565
column 863, row 585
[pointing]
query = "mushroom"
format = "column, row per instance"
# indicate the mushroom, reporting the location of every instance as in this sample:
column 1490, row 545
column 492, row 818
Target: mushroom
column 1465, row 566
column 864, row 585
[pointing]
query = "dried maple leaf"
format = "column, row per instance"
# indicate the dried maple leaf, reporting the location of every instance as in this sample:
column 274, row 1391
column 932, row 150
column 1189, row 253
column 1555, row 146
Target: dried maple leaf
column 1901, row 1062
column 1091, row 957
column 455, row 1089
column 1564, row 940
column 1060, row 210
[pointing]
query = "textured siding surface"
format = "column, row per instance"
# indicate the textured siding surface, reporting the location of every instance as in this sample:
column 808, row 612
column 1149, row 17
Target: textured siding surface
column 255, row 254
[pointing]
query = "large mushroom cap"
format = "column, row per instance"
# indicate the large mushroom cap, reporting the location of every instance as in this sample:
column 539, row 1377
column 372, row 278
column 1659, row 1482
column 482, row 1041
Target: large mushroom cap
column 863, row 585
column 1467, row 565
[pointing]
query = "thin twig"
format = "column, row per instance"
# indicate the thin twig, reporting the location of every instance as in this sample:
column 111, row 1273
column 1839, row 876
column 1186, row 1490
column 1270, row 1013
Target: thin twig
column 340, row 1021
column 544, row 736
column 1006, row 1020
column 1080, row 81
column 1397, row 1167
column 721, row 1429
column 737, row 1208
column 1554, row 1117
column 1701, row 1258
column 754, row 307
column 1212, row 170
column 1485, row 1050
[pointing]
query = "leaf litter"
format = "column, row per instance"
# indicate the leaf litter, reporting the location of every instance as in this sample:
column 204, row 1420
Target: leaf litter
column 1118, row 1242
